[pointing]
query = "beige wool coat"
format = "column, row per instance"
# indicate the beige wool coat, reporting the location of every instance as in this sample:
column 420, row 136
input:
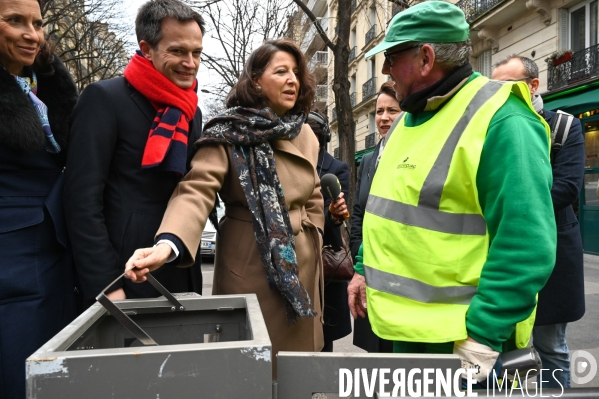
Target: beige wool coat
column 238, row 267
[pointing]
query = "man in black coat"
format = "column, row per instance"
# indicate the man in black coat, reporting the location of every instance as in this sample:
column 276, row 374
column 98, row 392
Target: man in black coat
column 337, row 321
column 131, row 141
column 364, row 337
column 562, row 299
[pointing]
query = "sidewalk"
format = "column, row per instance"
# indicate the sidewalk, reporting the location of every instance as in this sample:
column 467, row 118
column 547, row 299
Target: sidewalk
column 584, row 333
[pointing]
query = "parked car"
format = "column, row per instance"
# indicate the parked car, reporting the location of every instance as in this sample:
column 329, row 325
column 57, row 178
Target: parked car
column 208, row 244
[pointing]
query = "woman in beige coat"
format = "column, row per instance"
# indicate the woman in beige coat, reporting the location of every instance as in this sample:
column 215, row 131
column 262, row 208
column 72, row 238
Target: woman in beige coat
column 270, row 239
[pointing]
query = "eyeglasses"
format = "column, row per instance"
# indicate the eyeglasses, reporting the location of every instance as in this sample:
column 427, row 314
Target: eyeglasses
column 388, row 56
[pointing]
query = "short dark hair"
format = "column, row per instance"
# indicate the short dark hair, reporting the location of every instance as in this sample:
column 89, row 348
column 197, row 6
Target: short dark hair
column 530, row 67
column 387, row 88
column 245, row 94
column 148, row 23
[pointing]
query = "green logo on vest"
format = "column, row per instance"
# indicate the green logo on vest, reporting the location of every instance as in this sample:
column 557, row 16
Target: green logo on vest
column 405, row 165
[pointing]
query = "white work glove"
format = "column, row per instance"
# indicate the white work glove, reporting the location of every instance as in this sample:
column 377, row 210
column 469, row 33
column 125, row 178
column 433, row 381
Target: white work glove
column 475, row 356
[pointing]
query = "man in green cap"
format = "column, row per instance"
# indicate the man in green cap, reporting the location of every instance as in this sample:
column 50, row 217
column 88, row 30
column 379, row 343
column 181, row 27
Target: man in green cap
column 459, row 232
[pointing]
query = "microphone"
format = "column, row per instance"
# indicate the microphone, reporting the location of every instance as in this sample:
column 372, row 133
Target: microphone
column 331, row 189
column 330, row 186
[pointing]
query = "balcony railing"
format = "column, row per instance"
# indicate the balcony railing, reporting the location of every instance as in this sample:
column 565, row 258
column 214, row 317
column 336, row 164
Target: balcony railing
column 321, row 92
column 352, row 54
column 319, row 59
column 370, row 140
column 352, row 99
column 371, row 34
column 369, row 89
column 475, row 8
column 583, row 65
column 334, row 114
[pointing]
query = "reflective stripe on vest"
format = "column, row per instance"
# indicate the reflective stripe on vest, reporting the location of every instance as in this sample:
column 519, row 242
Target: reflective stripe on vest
column 431, row 219
column 430, row 194
column 417, row 290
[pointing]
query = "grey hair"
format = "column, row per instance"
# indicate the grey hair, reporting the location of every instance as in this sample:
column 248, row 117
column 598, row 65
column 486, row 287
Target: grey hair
column 148, row 23
column 450, row 56
column 530, row 67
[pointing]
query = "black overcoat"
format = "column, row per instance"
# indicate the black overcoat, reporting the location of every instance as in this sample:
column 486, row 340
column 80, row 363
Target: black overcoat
column 112, row 205
column 363, row 336
column 562, row 298
column 337, row 322
column 37, row 296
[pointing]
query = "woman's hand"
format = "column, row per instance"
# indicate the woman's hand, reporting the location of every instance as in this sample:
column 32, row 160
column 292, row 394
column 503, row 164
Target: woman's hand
column 338, row 209
column 146, row 260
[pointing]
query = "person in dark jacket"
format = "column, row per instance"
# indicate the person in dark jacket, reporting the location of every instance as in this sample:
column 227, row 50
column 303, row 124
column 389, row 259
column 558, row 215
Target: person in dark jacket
column 37, row 96
column 131, row 142
column 387, row 110
column 337, row 321
column 561, row 301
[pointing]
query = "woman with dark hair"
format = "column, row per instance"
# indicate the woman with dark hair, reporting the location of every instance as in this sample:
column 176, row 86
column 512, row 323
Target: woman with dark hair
column 337, row 319
column 37, row 95
column 260, row 158
column 387, row 110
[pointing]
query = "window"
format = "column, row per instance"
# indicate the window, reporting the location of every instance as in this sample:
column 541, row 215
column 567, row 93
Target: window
column 484, row 63
column 371, row 123
column 583, row 25
column 578, row 32
column 371, row 68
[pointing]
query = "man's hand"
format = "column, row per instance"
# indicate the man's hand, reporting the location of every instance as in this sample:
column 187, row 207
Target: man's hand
column 146, row 260
column 356, row 291
column 338, row 208
column 116, row 295
column 475, row 356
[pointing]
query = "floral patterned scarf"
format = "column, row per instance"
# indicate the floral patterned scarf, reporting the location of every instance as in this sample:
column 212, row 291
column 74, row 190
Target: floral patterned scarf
column 249, row 132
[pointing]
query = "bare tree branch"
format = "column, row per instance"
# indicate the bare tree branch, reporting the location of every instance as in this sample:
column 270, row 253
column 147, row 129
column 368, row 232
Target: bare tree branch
column 239, row 26
column 90, row 36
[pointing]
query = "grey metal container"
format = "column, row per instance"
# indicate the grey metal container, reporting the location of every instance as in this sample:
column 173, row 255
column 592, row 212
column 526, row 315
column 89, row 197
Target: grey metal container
column 216, row 340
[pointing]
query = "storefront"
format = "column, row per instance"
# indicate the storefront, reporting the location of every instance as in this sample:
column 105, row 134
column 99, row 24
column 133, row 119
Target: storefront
column 583, row 102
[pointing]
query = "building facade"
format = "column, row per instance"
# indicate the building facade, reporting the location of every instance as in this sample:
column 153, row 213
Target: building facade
column 369, row 19
column 562, row 37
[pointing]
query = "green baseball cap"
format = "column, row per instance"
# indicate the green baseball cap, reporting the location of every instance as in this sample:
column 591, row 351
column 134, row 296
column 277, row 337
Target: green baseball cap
column 427, row 22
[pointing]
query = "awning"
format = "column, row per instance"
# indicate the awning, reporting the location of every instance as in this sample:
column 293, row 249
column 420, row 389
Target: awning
column 360, row 154
column 576, row 103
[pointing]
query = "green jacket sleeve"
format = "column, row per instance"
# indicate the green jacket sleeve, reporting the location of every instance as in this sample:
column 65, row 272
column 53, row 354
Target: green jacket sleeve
column 514, row 186
column 359, row 266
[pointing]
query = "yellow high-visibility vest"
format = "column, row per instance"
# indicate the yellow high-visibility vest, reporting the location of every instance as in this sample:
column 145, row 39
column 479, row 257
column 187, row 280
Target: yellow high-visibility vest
column 425, row 236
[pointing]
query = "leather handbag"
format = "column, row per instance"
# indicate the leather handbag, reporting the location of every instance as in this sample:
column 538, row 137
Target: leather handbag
column 337, row 265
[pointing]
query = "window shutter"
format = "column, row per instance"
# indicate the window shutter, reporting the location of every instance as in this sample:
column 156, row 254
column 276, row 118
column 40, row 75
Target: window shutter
column 371, row 123
column 484, row 63
column 563, row 41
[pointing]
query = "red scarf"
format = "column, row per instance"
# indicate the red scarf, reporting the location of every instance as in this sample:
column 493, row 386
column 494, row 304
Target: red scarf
column 167, row 140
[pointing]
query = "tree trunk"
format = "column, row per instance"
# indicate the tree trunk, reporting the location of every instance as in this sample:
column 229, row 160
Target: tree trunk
column 346, row 127
column 341, row 86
